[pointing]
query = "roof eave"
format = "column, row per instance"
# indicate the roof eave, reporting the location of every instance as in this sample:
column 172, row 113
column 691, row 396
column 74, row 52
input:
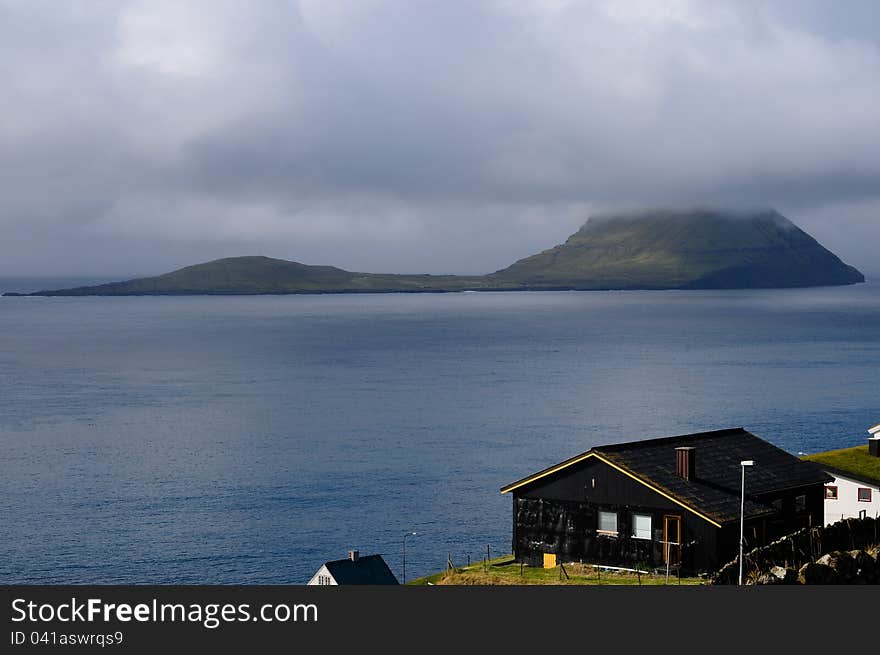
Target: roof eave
column 800, row 485
column 748, row 517
column 602, row 457
column 547, row 471
column 838, row 472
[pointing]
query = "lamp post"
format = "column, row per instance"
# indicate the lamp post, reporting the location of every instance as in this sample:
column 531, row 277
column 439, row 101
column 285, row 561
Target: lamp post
column 742, row 514
column 408, row 534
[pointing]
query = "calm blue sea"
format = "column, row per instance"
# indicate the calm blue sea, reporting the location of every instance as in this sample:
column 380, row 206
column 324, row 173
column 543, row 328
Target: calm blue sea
column 249, row 439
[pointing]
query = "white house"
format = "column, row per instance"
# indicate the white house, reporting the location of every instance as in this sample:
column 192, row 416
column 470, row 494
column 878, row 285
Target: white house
column 855, row 489
column 370, row 570
column 848, row 496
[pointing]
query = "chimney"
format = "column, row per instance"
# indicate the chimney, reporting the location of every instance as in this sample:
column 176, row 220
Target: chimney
column 686, row 462
column 353, row 555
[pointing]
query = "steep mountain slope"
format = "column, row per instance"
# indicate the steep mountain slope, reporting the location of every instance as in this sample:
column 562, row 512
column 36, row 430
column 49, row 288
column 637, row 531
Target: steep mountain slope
column 683, row 249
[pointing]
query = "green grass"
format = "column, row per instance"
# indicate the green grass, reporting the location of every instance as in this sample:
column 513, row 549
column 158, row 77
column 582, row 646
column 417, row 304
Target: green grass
column 853, row 460
column 504, row 571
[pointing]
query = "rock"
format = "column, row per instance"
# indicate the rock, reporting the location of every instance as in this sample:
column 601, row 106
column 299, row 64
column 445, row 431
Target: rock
column 866, row 567
column 784, row 575
column 778, row 575
column 818, row 573
column 843, row 563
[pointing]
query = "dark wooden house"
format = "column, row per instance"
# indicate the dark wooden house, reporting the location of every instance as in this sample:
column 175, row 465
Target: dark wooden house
column 675, row 498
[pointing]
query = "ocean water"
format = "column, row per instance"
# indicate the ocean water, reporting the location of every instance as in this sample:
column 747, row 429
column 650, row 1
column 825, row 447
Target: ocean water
column 249, row 439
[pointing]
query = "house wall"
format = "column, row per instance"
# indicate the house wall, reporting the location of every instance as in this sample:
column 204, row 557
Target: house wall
column 847, row 504
column 560, row 514
column 800, row 507
column 322, row 571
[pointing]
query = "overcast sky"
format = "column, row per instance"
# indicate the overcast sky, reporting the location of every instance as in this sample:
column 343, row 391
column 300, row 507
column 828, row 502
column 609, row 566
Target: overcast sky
column 420, row 136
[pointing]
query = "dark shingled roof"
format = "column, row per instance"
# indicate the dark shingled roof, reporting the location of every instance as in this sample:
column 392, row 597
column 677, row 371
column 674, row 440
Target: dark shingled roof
column 715, row 490
column 369, row 569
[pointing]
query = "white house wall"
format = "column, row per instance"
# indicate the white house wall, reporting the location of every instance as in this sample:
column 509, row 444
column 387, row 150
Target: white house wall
column 322, row 571
column 847, row 504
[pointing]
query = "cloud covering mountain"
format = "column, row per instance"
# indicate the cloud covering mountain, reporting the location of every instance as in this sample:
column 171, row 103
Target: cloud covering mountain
column 420, row 136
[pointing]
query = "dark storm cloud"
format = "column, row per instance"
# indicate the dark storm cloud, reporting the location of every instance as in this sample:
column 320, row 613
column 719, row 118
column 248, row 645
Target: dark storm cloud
column 407, row 136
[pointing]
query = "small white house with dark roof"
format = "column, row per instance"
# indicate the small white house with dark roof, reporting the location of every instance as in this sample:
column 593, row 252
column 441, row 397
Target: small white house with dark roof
column 367, row 570
column 855, row 489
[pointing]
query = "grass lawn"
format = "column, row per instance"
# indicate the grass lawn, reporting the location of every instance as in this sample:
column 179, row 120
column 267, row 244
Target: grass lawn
column 854, row 460
column 504, row 571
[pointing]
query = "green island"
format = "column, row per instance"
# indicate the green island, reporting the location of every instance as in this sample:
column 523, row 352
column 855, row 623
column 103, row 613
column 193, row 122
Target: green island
column 649, row 249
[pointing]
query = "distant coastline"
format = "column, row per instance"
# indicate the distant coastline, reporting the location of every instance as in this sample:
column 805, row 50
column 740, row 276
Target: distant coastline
column 648, row 250
column 63, row 293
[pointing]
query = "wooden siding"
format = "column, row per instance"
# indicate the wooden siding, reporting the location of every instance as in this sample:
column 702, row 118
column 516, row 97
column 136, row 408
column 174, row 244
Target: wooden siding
column 560, row 514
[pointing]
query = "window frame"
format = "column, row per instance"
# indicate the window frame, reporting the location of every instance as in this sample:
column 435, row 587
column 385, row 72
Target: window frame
column 650, row 530
column 828, row 488
column 859, row 494
column 600, row 530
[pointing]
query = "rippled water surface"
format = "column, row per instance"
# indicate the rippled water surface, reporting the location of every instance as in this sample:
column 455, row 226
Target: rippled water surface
column 249, row 439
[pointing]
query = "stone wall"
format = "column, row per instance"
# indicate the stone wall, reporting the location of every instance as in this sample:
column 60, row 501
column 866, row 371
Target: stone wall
column 842, row 553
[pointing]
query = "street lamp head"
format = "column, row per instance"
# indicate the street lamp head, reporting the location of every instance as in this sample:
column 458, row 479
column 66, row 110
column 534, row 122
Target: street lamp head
column 747, row 462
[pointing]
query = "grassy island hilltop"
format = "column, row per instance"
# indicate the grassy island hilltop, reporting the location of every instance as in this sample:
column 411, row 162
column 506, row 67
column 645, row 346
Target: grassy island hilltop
column 650, row 249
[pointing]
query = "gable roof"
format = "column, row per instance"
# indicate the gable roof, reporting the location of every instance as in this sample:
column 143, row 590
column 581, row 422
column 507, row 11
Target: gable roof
column 367, row 569
column 714, row 493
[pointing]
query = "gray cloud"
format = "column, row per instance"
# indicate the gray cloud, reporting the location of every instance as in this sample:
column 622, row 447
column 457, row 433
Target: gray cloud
column 420, row 136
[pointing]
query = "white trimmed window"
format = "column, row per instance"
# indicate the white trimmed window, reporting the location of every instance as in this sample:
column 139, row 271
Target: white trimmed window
column 864, row 494
column 641, row 526
column 608, row 522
